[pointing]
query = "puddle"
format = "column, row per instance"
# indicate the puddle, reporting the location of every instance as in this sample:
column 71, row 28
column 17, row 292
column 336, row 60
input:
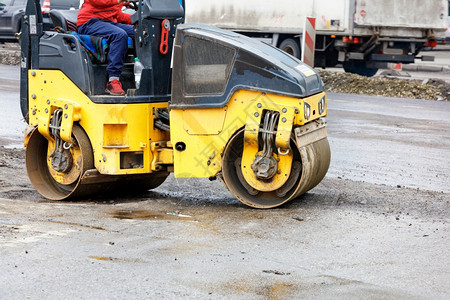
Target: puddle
column 116, row 259
column 271, row 290
column 276, row 272
column 78, row 224
column 101, row 258
column 131, row 214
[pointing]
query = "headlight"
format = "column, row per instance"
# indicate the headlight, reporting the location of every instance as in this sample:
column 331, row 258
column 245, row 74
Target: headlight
column 321, row 105
column 307, row 109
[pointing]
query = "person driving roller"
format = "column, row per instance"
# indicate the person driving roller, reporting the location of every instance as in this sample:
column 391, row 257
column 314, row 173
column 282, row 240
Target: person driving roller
column 105, row 18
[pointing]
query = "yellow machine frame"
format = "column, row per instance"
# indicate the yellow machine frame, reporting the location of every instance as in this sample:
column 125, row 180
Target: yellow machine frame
column 116, row 128
column 111, row 128
column 209, row 129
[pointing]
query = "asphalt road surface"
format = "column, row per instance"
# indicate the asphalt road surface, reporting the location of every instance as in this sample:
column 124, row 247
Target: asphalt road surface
column 376, row 227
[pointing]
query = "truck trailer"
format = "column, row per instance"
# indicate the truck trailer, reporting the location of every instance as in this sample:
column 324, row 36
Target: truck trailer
column 360, row 35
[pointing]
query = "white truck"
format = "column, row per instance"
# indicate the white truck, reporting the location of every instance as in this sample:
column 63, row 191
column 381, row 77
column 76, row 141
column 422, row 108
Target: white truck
column 362, row 35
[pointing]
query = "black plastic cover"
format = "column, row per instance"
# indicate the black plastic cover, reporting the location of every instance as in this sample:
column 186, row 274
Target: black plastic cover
column 209, row 64
column 64, row 52
column 159, row 9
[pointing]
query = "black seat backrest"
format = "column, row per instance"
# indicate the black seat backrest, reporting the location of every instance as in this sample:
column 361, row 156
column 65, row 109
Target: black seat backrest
column 156, row 77
column 66, row 19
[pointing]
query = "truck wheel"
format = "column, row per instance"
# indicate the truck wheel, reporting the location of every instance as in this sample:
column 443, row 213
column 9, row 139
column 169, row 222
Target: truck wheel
column 291, row 47
column 360, row 68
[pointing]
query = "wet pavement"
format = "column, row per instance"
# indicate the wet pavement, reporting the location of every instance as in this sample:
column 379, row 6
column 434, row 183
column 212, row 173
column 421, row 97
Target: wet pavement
column 376, row 227
column 390, row 141
column 12, row 125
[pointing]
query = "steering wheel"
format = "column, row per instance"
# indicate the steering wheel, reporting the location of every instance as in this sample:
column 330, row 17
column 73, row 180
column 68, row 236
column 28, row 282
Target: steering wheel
column 134, row 4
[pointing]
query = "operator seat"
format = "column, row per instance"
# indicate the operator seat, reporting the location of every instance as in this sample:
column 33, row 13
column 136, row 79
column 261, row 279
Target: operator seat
column 54, row 55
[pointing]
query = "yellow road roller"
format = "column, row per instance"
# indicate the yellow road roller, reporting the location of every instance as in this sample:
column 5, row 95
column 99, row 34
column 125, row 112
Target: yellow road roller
column 212, row 104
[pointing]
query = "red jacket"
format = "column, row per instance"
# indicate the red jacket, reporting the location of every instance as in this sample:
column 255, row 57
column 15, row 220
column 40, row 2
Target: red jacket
column 102, row 9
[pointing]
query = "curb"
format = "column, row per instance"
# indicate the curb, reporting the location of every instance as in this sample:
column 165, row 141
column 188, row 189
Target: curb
column 424, row 68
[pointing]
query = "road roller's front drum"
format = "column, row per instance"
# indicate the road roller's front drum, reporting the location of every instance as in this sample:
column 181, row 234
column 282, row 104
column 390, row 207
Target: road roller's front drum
column 309, row 166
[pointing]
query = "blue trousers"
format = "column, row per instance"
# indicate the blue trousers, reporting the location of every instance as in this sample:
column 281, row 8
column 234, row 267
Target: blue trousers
column 117, row 36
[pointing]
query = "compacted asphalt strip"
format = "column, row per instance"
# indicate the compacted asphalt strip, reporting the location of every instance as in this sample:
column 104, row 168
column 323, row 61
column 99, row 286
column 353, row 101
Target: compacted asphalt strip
column 375, row 228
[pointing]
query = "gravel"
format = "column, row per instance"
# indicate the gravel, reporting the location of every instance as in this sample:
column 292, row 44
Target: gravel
column 340, row 82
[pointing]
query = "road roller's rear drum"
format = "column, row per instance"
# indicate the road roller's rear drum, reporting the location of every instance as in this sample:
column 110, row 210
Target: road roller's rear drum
column 78, row 177
column 49, row 182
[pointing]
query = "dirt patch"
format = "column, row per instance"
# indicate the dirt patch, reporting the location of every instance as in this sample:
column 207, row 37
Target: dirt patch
column 443, row 86
column 9, row 54
column 340, row 82
column 14, row 183
column 12, row 158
